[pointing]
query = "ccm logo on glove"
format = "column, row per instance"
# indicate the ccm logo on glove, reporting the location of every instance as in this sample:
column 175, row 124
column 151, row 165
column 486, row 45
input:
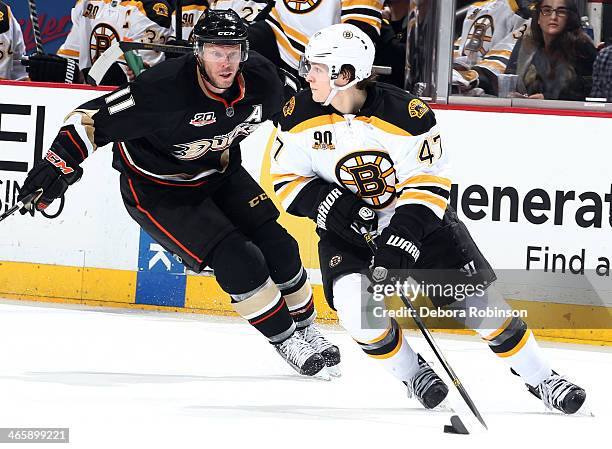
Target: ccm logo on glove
column 405, row 245
column 58, row 162
column 325, row 206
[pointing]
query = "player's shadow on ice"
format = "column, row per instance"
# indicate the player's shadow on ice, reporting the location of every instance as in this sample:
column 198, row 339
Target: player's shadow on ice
column 369, row 414
column 109, row 379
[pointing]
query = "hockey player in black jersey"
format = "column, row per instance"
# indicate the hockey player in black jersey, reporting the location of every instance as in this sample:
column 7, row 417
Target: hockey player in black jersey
column 352, row 154
column 176, row 132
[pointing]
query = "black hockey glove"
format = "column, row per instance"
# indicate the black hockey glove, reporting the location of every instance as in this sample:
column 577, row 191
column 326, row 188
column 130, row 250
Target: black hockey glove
column 395, row 252
column 51, row 68
column 341, row 212
column 53, row 174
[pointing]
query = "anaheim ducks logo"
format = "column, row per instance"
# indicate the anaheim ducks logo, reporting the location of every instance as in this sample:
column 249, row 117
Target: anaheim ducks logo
column 161, row 9
column 302, row 6
column 481, row 33
column 102, row 36
column 370, row 175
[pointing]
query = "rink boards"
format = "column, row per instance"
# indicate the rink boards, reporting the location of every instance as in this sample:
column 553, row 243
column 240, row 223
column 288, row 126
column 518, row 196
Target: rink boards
column 532, row 186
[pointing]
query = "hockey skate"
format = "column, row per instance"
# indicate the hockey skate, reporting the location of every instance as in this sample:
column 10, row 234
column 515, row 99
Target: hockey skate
column 427, row 386
column 558, row 393
column 300, row 355
column 329, row 352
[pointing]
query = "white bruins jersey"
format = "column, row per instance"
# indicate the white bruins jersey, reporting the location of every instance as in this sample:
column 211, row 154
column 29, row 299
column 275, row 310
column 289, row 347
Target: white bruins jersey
column 295, row 21
column 96, row 24
column 487, row 34
column 390, row 154
column 12, row 47
column 193, row 9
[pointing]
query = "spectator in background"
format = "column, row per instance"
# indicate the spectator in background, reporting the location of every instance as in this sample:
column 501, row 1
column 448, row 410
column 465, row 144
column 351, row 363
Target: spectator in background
column 554, row 61
column 12, row 47
column 602, row 74
column 391, row 50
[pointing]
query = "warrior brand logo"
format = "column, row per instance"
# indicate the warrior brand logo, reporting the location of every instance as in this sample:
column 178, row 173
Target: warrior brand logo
column 302, row 6
column 160, row 9
column 198, row 148
column 325, row 206
column 102, row 37
column 416, row 108
column 58, row 162
column 203, row 119
column 405, row 245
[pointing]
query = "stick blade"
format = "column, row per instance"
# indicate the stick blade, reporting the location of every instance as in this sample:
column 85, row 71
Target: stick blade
column 456, row 426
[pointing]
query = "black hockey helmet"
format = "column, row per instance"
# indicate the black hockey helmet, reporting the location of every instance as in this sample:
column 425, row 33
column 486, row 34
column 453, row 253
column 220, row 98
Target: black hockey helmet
column 221, row 27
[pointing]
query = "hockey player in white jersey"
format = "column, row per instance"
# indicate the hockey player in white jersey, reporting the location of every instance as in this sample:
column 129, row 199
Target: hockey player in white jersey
column 193, row 9
column 283, row 33
column 352, row 154
column 96, row 24
column 488, row 35
column 12, row 47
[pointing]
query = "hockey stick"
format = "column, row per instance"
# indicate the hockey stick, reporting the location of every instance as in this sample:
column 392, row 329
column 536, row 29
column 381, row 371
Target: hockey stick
column 117, row 49
column 27, row 200
column 434, row 346
column 35, row 26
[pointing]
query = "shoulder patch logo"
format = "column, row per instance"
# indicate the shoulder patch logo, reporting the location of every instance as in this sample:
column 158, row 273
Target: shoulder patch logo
column 203, row 119
column 161, row 9
column 301, row 6
column 416, row 108
column 1, row 16
column 335, row 261
column 289, row 107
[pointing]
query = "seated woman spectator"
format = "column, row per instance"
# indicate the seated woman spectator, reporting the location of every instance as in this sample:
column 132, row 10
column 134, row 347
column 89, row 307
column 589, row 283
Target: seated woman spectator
column 554, row 61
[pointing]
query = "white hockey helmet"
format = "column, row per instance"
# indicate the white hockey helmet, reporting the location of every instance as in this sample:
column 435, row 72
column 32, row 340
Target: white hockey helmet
column 335, row 46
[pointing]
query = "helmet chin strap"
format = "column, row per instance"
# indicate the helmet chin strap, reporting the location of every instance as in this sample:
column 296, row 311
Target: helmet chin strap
column 335, row 89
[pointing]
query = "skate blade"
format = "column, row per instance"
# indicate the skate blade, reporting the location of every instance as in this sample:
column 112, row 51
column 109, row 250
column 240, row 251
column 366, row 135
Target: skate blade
column 334, row 371
column 323, row 375
column 444, row 406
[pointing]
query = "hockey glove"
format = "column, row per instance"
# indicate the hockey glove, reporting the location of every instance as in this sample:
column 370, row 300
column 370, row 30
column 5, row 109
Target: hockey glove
column 53, row 174
column 394, row 252
column 344, row 214
column 51, row 68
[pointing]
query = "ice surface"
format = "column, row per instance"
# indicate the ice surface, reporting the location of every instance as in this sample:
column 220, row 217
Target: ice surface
column 136, row 379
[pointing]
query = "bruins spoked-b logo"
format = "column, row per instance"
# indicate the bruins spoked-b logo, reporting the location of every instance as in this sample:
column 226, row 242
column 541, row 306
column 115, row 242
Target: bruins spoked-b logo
column 370, row 175
column 481, row 34
column 102, row 37
column 302, row 6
